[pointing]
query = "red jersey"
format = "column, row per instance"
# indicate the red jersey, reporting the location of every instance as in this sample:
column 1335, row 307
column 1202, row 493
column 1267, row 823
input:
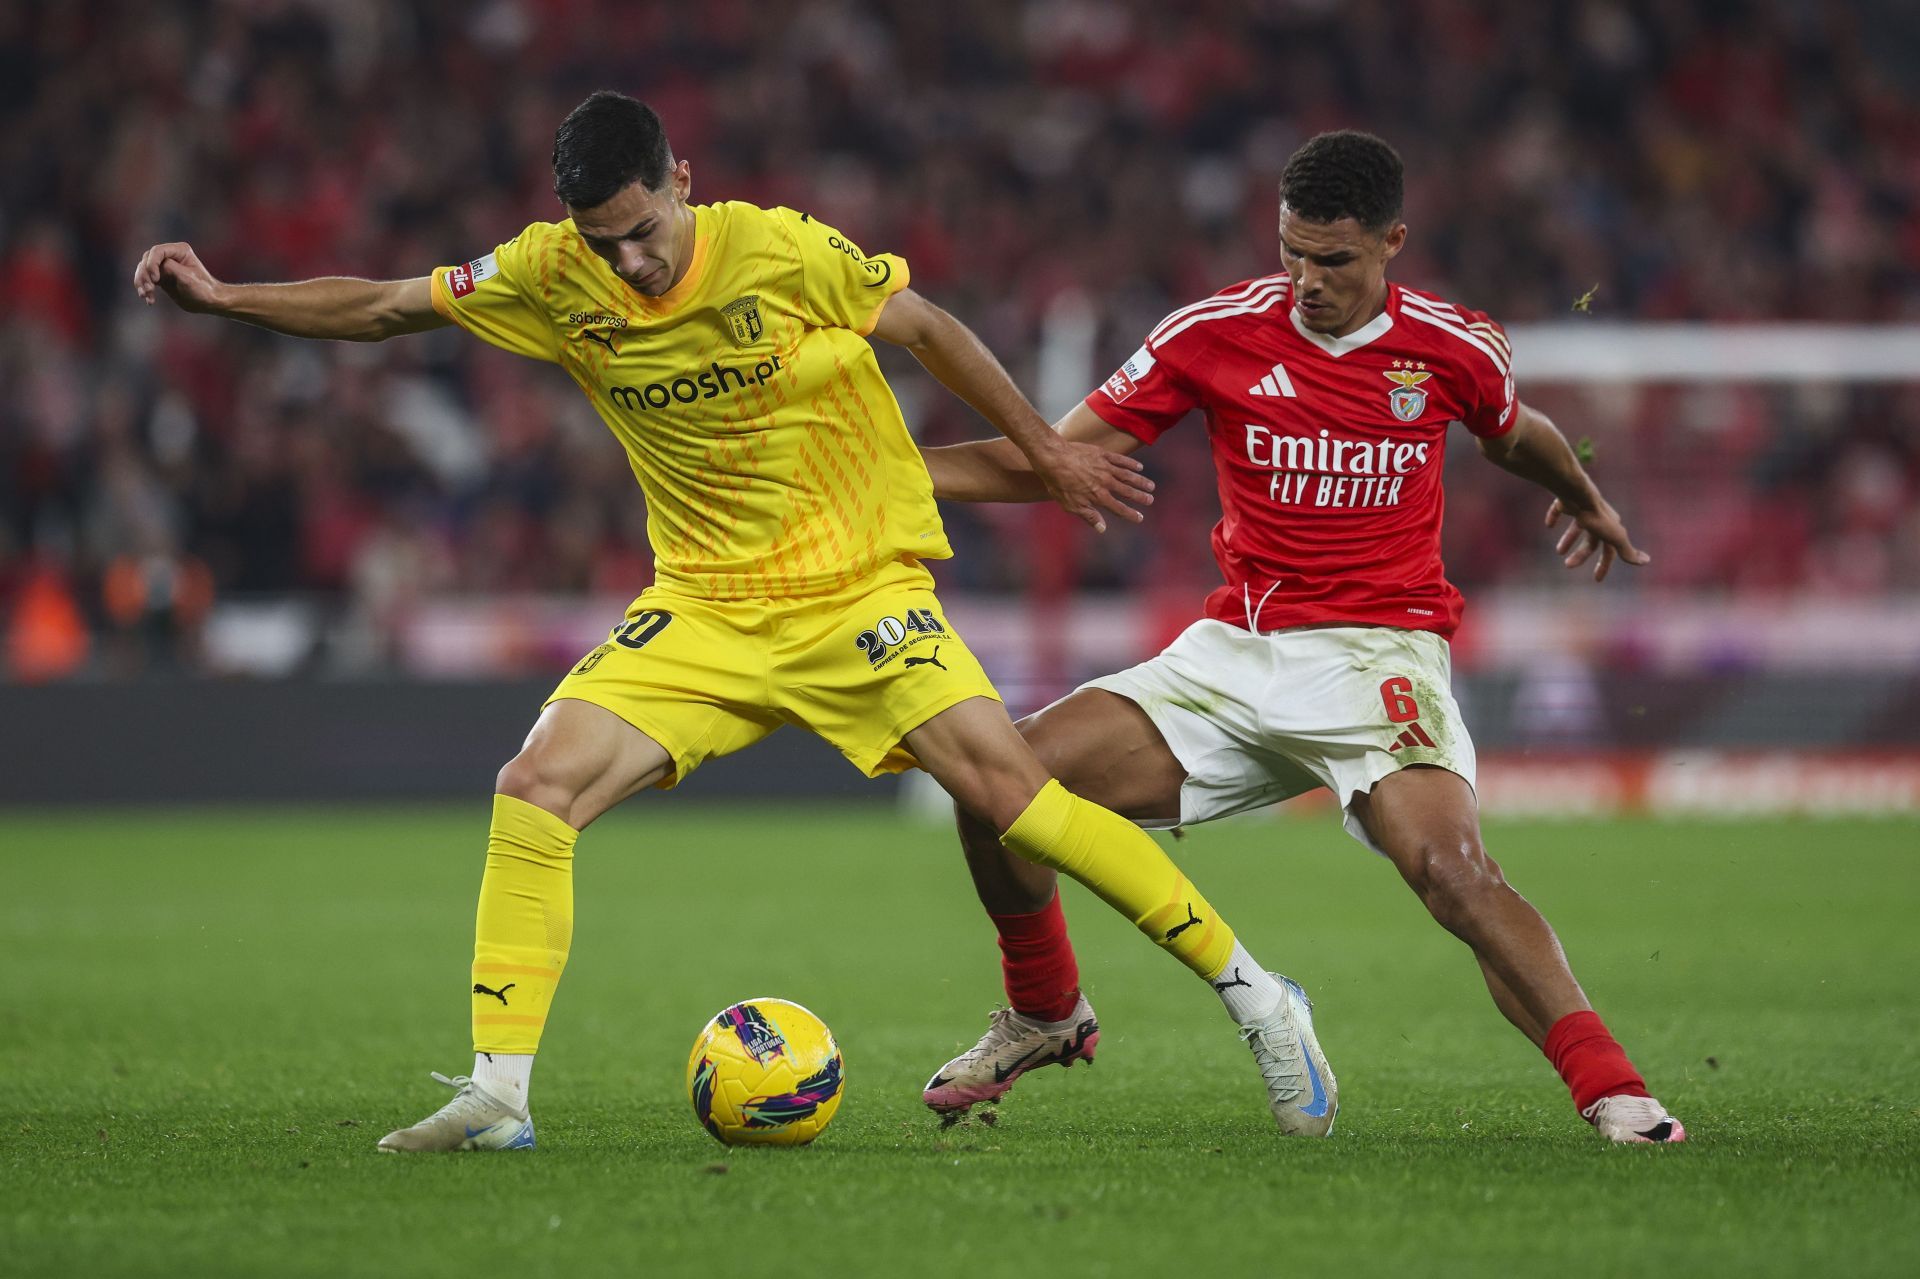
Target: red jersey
column 1328, row 450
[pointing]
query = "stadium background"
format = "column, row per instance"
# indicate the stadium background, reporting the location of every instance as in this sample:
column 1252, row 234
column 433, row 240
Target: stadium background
column 237, row 569
column 190, row 500
column 435, row 528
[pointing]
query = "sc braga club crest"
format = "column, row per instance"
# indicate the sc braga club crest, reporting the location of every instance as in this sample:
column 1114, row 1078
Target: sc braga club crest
column 1407, row 400
column 743, row 319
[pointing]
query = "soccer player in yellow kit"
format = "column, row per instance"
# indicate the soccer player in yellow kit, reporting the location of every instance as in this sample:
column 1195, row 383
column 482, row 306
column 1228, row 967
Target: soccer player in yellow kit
column 790, row 514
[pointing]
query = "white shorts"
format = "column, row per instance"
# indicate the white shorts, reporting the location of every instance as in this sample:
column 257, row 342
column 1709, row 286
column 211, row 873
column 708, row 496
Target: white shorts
column 1256, row 719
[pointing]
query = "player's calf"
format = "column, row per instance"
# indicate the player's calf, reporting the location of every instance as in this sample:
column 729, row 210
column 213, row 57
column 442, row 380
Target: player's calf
column 1455, row 879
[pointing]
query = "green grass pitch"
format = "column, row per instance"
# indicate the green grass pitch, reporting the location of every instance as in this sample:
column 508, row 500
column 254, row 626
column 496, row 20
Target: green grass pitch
column 212, row 1016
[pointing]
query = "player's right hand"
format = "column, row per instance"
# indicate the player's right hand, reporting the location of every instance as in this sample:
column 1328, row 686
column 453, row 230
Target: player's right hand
column 1084, row 479
column 177, row 270
column 1595, row 528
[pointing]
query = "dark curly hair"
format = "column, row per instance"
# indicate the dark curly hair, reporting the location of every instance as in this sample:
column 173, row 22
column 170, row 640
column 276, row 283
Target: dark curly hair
column 1347, row 174
column 604, row 145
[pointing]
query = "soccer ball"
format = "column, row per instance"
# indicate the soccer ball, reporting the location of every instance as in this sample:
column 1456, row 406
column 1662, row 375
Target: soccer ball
column 765, row 1072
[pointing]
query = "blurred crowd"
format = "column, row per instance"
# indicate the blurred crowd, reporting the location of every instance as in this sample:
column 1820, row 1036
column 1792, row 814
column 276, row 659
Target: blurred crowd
column 1670, row 159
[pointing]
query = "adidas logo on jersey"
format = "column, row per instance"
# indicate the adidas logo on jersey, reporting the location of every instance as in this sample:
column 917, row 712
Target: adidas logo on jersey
column 1275, row 383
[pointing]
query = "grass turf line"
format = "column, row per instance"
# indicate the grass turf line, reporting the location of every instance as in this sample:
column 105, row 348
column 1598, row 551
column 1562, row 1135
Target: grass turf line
column 216, row 1013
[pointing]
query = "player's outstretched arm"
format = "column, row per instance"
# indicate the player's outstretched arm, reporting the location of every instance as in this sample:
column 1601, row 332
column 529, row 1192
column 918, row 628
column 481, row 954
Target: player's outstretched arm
column 1082, row 478
column 334, row 307
column 1535, row 450
column 997, row 471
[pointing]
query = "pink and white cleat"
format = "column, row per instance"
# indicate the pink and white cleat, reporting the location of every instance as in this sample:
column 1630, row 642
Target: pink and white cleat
column 1013, row 1045
column 1634, row 1119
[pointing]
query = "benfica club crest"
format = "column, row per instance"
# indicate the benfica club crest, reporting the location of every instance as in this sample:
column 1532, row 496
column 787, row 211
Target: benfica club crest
column 743, row 318
column 1406, row 399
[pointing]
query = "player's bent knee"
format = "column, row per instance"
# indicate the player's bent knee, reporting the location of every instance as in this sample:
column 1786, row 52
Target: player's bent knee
column 993, row 791
column 998, row 799
column 1050, row 736
column 529, row 777
column 1454, row 878
column 976, row 836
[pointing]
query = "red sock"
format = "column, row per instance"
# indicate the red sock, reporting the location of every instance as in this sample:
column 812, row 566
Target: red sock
column 1594, row 1065
column 1037, row 963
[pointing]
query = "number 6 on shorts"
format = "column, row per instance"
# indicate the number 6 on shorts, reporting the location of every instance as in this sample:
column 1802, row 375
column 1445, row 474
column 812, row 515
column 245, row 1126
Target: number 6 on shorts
column 1397, row 695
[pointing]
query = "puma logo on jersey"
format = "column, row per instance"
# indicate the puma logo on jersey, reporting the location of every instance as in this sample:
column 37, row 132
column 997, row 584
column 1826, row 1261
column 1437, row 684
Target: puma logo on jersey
column 604, row 339
column 500, row 994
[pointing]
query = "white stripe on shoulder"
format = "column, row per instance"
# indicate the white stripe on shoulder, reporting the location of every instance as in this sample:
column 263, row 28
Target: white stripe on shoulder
column 1230, row 297
column 1500, row 363
column 1235, row 294
column 1447, row 310
column 1494, row 334
column 1440, row 321
column 1254, row 304
column 1478, row 342
column 1452, row 311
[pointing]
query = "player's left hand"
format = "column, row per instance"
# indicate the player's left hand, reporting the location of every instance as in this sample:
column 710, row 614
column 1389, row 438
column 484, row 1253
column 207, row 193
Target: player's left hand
column 1086, row 479
column 1594, row 528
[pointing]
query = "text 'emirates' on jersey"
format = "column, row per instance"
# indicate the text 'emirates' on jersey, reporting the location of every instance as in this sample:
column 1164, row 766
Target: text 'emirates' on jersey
column 770, row 450
column 1328, row 450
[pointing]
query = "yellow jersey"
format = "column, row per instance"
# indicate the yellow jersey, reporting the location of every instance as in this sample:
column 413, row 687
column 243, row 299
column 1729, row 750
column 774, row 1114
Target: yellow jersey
column 770, row 450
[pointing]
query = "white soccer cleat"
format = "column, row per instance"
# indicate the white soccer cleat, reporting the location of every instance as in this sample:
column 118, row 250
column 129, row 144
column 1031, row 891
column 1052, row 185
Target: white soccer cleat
column 1012, row 1046
column 474, row 1120
column 1634, row 1119
column 1301, row 1091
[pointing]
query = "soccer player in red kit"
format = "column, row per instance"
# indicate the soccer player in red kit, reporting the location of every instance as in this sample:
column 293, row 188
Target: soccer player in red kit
column 1327, row 393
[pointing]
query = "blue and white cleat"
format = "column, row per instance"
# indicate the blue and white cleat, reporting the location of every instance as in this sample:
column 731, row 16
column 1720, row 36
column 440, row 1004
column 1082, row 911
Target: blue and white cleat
column 474, row 1120
column 1301, row 1090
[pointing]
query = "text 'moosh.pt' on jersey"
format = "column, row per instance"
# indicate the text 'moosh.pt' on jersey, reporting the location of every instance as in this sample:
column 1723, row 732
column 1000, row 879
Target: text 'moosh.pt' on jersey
column 1328, row 450
column 770, row 449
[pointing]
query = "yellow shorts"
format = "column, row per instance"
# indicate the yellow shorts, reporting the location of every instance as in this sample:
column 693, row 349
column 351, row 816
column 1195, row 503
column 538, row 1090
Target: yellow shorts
column 861, row 668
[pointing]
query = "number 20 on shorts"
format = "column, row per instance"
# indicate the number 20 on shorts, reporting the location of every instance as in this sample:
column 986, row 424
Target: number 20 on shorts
column 890, row 632
column 641, row 627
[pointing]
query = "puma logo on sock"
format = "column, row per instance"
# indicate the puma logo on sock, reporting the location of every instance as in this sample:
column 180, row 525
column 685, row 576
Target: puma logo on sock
column 1177, row 929
column 500, row 994
column 1224, row 985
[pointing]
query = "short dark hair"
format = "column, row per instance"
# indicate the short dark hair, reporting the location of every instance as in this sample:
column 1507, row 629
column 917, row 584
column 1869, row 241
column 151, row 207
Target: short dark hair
column 605, row 145
column 1347, row 174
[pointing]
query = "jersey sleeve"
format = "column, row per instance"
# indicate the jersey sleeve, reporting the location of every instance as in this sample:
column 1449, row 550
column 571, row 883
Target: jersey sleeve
column 1491, row 398
column 841, row 287
column 489, row 297
column 1144, row 397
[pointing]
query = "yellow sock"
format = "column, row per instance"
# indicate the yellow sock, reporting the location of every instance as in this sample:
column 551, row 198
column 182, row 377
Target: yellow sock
column 1118, row 861
column 524, row 927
